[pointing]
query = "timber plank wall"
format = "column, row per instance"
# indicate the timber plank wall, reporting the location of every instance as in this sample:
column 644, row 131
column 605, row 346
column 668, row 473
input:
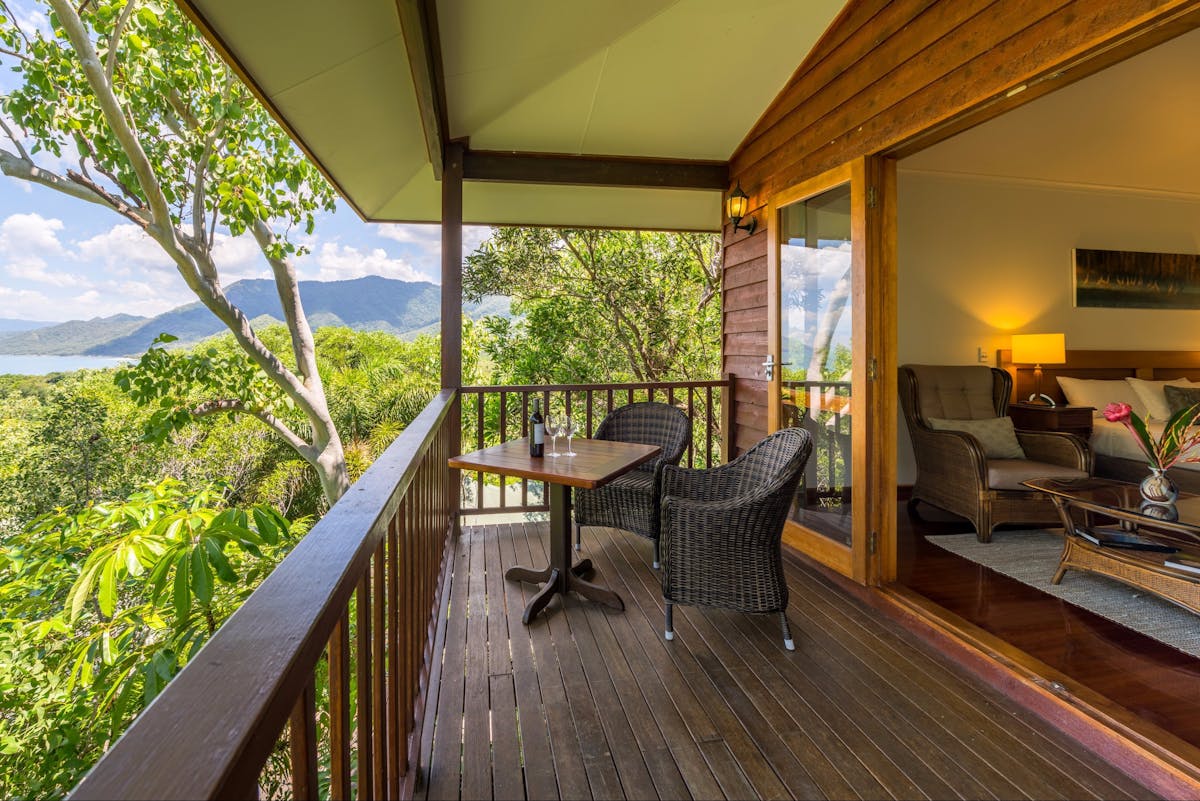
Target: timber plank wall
column 889, row 77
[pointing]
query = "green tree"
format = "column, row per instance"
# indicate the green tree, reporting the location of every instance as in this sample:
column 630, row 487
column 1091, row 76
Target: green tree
column 167, row 137
column 601, row 305
column 103, row 607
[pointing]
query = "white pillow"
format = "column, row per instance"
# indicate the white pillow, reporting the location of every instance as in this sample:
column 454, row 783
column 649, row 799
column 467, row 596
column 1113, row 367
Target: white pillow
column 1152, row 396
column 1098, row 393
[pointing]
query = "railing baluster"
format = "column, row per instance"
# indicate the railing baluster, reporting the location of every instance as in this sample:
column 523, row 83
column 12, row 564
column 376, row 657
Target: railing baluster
column 378, row 672
column 503, row 438
column 304, row 744
column 480, row 405
column 524, row 433
column 339, row 710
column 396, row 765
column 708, row 426
column 589, row 429
column 691, row 413
column 363, row 671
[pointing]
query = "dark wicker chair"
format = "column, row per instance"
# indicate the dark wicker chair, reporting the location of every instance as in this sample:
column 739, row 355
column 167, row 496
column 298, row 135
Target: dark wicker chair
column 721, row 529
column 952, row 471
column 630, row 502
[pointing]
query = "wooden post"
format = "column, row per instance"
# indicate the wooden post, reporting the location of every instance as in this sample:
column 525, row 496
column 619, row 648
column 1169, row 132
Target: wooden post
column 452, row 378
column 728, row 416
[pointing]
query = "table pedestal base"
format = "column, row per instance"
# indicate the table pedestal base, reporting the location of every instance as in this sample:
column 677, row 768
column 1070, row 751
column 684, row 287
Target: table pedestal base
column 560, row 576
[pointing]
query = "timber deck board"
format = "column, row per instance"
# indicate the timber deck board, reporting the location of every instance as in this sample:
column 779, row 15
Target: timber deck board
column 591, row 703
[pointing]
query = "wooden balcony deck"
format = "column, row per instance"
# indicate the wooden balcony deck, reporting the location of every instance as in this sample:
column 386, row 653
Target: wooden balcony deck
column 589, row 703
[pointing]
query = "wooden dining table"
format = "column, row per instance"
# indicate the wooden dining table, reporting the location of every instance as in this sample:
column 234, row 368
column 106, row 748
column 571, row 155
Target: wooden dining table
column 596, row 462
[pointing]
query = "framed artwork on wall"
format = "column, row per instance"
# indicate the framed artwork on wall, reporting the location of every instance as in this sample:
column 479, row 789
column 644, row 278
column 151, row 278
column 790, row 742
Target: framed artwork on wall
column 1126, row 279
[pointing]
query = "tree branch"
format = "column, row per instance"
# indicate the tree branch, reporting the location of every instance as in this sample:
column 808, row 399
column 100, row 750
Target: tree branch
column 303, row 346
column 117, row 204
column 16, row 167
column 235, row 406
column 12, row 137
column 110, row 106
column 114, row 39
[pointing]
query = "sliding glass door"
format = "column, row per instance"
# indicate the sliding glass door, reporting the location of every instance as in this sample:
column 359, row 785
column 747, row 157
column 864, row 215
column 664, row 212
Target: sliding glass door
column 825, row 341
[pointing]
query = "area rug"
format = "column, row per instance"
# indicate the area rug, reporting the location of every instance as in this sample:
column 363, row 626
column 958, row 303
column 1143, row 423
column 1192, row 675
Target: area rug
column 1030, row 557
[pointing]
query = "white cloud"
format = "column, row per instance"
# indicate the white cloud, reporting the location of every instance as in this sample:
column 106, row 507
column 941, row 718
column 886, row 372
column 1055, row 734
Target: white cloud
column 425, row 236
column 338, row 262
column 27, row 242
column 21, row 233
column 123, row 247
column 424, row 242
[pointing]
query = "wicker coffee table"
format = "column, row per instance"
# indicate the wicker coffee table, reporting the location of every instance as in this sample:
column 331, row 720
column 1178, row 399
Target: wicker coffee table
column 1137, row 549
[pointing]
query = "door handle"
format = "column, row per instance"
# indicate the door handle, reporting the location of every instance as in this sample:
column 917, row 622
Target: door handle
column 769, row 364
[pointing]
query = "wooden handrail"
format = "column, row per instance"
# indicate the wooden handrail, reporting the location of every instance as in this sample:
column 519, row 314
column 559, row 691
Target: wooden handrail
column 210, row 732
column 623, row 385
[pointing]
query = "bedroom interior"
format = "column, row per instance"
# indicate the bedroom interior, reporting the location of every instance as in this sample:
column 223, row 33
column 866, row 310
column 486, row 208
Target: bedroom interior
column 987, row 222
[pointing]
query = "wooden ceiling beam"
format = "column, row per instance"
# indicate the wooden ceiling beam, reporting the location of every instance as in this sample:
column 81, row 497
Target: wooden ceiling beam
column 553, row 168
column 418, row 21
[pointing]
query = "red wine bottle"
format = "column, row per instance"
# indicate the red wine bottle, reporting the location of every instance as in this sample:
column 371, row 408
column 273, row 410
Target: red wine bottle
column 537, row 430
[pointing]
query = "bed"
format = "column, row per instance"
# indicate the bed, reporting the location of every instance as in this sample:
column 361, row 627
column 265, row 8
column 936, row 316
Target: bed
column 1116, row 453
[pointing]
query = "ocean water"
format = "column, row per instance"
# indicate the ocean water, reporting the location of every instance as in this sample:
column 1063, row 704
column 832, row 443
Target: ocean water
column 41, row 365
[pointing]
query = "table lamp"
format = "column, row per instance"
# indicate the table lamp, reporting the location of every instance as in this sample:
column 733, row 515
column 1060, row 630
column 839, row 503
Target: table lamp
column 1039, row 349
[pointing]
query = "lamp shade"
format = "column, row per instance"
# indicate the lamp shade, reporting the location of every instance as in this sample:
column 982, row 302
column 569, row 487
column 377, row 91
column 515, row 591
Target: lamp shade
column 1039, row 348
column 738, row 204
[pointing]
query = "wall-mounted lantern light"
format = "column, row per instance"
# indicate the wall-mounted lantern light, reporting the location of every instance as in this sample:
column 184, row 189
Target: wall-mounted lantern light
column 737, row 206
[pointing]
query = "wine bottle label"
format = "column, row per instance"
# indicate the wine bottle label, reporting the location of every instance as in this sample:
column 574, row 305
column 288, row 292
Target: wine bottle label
column 539, row 434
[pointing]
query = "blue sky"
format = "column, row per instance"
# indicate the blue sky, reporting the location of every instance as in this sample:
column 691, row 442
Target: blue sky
column 63, row 259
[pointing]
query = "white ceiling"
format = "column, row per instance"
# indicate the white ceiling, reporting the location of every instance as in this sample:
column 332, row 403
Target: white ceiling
column 682, row 79
column 1133, row 126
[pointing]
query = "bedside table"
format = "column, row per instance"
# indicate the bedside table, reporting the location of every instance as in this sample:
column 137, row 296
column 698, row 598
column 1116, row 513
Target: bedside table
column 1068, row 419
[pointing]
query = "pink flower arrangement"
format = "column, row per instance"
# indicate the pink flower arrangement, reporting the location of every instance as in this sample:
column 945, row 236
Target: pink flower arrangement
column 1177, row 442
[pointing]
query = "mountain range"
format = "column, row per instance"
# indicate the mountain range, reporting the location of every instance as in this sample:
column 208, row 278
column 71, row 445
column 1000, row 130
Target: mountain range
column 373, row 303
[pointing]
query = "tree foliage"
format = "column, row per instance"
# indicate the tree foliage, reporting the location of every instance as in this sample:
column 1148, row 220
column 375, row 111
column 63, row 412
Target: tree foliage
column 123, row 546
column 601, row 305
column 166, row 136
column 104, row 605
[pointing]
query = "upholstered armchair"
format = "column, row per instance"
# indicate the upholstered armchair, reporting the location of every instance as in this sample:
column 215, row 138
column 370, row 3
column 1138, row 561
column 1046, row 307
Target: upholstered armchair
column 721, row 529
column 951, row 414
column 630, row 502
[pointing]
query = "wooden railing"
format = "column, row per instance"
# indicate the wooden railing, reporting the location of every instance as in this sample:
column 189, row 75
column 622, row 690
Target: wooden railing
column 823, row 409
column 494, row 414
column 348, row 616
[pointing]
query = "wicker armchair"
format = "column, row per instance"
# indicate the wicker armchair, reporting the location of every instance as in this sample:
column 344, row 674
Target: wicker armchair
column 952, row 471
column 721, row 529
column 630, row 502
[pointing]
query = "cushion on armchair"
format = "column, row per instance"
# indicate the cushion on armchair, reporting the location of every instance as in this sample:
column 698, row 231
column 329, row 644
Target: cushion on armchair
column 1007, row 474
column 995, row 434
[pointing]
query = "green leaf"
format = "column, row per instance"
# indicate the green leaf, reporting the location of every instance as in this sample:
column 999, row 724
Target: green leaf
column 266, row 526
column 107, row 595
column 202, row 577
column 220, row 562
column 183, row 594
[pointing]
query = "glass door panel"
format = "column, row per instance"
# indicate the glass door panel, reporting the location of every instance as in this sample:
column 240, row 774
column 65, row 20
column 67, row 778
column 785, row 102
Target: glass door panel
column 816, row 284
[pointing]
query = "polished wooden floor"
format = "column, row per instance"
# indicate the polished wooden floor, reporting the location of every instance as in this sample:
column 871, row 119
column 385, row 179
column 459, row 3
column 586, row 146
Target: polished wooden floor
column 1157, row 683
column 591, row 703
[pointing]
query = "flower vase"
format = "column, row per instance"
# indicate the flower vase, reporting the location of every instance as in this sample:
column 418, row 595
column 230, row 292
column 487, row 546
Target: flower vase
column 1158, row 487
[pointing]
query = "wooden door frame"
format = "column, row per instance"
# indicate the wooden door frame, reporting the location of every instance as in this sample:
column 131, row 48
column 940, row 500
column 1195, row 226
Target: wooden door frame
column 868, row 409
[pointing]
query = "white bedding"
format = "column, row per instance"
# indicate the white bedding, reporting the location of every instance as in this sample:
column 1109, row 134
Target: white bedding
column 1113, row 439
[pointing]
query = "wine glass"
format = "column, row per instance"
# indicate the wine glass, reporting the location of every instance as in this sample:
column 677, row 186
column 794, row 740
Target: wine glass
column 554, row 427
column 570, row 427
